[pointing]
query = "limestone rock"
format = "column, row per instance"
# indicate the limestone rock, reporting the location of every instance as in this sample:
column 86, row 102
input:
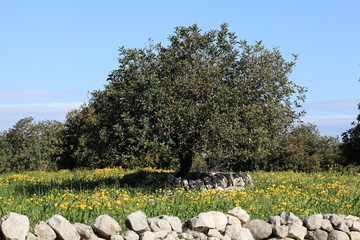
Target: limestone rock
column 281, row 231
column 355, row 226
column 318, row 234
column 116, row 237
column 336, row 219
column 342, row 227
column 175, row 223
column 313, row 222
column 338, row 235
column 137, row 222
column 147, row 236
column 105, row 226
column 289, row 218
column 297, row 231
column 63, row 228
column 232, row 220
column 241, row 214
column 130, row 235
column 326, row 225
column 220, row 220
column 15, row 226
column 85, row 232
column 159, row 223
column 31, row 236
column 275, row 221
column 44, row 231
column 236, row 232
column 354, row 235
column 214, row 233
column 170, row 237
column 201, row 223
column 259, row 229
column 160, row 234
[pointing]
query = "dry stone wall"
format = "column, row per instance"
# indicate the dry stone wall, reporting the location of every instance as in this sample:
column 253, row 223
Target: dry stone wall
column 213, row 225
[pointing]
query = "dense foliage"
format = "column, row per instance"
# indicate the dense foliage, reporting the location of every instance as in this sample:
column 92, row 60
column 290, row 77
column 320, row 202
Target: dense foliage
column 206, row 100
column 351, row 144
column 205, row 93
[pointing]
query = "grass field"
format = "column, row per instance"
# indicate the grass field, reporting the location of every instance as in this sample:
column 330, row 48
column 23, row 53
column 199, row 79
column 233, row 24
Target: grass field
column 81, row 196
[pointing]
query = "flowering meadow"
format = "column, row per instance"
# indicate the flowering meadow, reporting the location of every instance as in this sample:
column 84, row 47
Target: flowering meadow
column 81, row 196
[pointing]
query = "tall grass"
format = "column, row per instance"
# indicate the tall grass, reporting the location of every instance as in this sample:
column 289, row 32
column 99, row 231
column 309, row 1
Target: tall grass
column 81, row 196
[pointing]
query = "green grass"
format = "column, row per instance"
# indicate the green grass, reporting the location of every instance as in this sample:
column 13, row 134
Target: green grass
column 83, row 195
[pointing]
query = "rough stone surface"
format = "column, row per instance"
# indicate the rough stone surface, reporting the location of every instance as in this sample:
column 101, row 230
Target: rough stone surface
column 85, row 232
column 15, row 226
column 148, row 235
column 31, row 236
column 116, row 237
column 44, row 231
column 297, row 231
column 259, row 229
column 289, row 218
column 342, row 227
column 236, row 232
column 137, row 222
column 275, row 221
column 356, row 226
column 326, row 225
column 338, row 235
column 241, row 214
column 105, row 226
column 281, row 231
column 313, row 222
column 232, row 220
column 63, row 228
column 214, row 233
column 354, row 235
column 220, row 220
column 159, row 223
column 335, row 219
column 202, row 222
column 175, row 223
column 130, row 235
column 318, row 234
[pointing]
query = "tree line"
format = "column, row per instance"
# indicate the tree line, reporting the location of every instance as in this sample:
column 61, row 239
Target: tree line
column 207, row 101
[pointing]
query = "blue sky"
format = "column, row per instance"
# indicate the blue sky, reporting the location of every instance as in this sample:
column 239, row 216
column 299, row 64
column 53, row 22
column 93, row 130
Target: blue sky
column 54, row 53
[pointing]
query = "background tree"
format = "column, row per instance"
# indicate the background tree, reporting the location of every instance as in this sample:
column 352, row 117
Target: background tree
column 205, row 93
column 351, row 143
column 304, row 149
column 30, row 145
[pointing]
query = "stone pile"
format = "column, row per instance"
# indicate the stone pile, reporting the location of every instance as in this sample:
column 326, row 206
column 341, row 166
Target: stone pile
column 213, row 225
column 194, row 180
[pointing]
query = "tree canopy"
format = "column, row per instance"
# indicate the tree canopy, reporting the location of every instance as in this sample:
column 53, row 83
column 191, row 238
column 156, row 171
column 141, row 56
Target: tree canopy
column 205, row 93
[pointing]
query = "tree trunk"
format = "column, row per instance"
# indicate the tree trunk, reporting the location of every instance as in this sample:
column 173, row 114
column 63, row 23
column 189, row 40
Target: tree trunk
column 186, row 160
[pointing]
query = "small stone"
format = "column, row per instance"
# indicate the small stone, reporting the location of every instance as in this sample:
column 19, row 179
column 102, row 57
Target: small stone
column 354, row 235
column 338, row 235
column 158, row 224
column 220, row 220
column 214, row 233
column 137, row 222
column 313, row 222
column 175, row 223
column 161, row 234
column 297, row 231
column 336, row 219
column 259, row 229
column 63, row 228
column 85, row 231
column 169, row 237
column 289, row 218
column 15, row 226
column 31, row 236
column 130, row 235
column 232, row 220
column 318, row 234
column 105, row 226
column 186, row 235
column 241, row 214
column 202, row 222
column 326, row 225
column 116, row 237
column 355, row 226
column 44, row 231
column 281, row 231
column 236, row 232
column 147, row 236
column 342, row 227
column 275, row 221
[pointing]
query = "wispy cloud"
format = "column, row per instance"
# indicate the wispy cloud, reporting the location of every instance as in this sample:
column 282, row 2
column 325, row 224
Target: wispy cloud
column 335, row 106
column 10, row 114
column 31, row 94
